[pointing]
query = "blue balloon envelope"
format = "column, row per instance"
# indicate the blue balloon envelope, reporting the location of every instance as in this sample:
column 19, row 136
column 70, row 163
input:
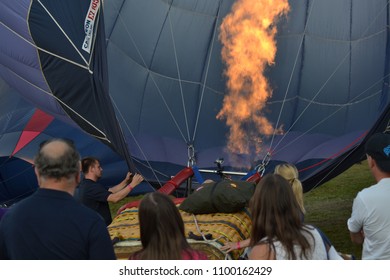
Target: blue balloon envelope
column 146, row 79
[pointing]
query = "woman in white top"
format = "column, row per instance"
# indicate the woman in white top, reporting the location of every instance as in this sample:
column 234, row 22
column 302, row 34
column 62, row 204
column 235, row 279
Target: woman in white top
column 278, row 231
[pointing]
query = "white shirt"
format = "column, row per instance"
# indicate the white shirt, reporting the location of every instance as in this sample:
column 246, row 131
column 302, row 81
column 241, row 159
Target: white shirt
column 317, row 252
column 370, row 212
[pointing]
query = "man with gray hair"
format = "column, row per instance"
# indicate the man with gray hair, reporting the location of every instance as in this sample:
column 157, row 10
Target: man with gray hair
column 51, row 224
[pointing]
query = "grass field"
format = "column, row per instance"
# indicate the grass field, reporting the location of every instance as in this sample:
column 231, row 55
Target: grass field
column 328, row 206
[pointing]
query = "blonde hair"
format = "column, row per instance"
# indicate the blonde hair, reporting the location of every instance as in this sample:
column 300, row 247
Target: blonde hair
column 290, row 173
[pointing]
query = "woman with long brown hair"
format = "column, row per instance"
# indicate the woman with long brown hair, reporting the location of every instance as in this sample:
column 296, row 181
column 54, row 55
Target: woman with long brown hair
column 291, row 174
column 278, row 231
column 162, row 231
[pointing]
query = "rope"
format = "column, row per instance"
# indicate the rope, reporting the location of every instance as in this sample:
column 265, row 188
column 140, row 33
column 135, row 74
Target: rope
column 207, row 73
column 152, row 78
column 292, row 73
column 329, row 78
column 307, row 131
column 178, row 75
column 202, row 234
column 137, row 143
column 227, row 255
column 330, row 171
column 43, row 50
column 63, row 32
column 67, row 106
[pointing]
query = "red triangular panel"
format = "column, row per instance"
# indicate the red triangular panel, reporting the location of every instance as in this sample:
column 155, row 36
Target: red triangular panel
column 38, row 122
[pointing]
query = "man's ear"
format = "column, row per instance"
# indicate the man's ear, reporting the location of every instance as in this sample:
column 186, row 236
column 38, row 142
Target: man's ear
column 77, row 178
column 371, row 162
column 37, row 175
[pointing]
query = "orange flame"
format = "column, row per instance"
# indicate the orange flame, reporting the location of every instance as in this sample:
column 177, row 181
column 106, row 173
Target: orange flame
column 249, row 46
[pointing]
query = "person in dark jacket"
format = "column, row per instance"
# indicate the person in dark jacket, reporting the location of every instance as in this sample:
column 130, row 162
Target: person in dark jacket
column 50, row 224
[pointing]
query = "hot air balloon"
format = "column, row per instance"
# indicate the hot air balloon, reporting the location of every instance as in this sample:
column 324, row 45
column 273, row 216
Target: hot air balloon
column 23, row 128
column 331, row 65
column 147, row 78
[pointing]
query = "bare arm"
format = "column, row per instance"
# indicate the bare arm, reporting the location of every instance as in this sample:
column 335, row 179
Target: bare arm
column 261, row 252
column 230, row 246
column 122, row 193
column 122, row 184
column 357, row 237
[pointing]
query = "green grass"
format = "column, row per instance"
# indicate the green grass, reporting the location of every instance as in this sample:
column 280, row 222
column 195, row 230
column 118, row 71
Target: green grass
column 328, row 207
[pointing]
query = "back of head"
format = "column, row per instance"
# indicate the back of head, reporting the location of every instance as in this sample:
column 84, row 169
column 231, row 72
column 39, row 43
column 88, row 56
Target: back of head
column 57, row 159
column 273, row 200
column 87, row 163
column 378, row 147
column 276, row 215
column 290, row 173
column 287, row 171
column 161, row 227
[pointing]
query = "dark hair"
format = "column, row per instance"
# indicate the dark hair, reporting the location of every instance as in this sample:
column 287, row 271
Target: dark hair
column 57, row 165
column 161, row 228
column 378, row 147
column 276, row 216
column 87, row 162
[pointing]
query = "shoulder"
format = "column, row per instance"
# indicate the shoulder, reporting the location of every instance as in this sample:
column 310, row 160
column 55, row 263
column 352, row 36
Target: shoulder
column 384, row 181
column 373, row 191
column 315, row 233
column 382, row 184
column 308, row 230
column 89, row 186
column 261, row 252
column 88, row 182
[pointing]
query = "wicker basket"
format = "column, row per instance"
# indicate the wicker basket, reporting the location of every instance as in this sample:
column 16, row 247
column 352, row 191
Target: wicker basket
column 218, row 227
